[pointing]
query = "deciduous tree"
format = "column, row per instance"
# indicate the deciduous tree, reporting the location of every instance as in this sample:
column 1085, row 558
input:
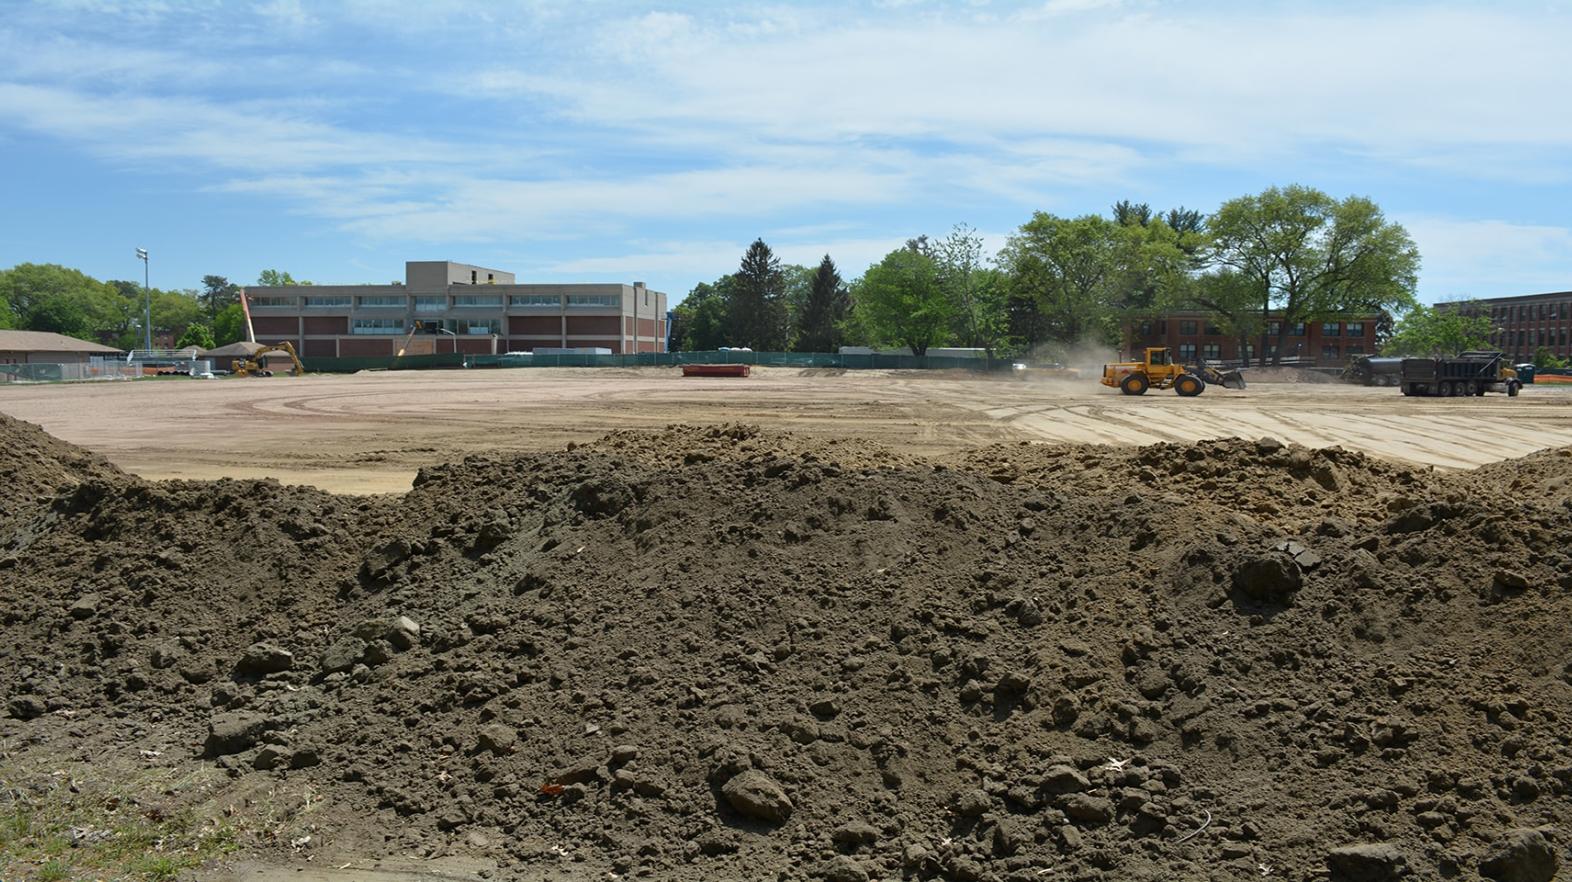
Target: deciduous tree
column 1308, row 256
column 1439, row 330
column 900, row 300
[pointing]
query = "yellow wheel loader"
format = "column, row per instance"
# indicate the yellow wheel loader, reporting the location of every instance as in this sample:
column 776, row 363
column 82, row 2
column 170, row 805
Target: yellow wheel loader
column 1159, row 371
column 255, row 366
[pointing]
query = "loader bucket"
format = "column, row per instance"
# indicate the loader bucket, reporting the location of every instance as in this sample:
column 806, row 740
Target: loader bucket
column 1233, row 380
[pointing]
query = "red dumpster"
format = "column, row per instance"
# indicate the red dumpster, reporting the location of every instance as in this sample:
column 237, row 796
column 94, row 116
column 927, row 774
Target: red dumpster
column 714, row 370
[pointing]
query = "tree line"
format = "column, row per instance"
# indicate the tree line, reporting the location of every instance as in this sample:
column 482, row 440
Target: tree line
column 1260, row 264
column 50, row 297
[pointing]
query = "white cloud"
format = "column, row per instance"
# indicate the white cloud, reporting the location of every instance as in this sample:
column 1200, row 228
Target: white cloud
column 1489, row 258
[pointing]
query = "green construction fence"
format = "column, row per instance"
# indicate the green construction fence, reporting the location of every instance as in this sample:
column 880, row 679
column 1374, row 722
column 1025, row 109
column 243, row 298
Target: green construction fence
column 661, row 359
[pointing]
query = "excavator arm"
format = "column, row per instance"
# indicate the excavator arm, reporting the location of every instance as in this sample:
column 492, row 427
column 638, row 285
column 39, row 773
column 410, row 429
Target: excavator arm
column 253, row 364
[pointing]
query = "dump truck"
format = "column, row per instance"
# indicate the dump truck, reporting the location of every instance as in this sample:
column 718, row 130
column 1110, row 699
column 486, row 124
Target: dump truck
column 1370, row 370
column 1474, row 372
column 1159, row 371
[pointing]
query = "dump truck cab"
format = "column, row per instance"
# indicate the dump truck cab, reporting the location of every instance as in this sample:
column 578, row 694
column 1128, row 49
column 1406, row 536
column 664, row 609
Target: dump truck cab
column 1157, row 371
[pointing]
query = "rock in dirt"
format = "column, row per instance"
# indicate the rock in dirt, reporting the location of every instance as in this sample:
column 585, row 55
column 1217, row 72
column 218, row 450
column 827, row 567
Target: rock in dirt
column 497, row 738
column 1088, row 809
column 1060, row 780
column 1371, row 862
column 233, row 732
column 1271, row 579
column 602, row 497
column 753, row 794
column 85, row 607
column 1522, row 855
column 842, row 869
column 261, row 659
column 342, row 655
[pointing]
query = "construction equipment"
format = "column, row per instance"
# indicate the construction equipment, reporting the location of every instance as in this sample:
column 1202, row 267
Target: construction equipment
column 1159, row 371
column 1370, row 370
column 1470, row 373
column 253, row 365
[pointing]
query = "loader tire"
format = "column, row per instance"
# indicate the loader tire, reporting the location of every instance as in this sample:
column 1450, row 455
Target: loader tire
column 1189, row 386
column 1513, row 388
column 1135, row 384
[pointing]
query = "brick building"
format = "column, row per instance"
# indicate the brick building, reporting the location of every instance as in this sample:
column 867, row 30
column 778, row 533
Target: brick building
column 1524, row 324
column 456, row 307
column 1197, row 336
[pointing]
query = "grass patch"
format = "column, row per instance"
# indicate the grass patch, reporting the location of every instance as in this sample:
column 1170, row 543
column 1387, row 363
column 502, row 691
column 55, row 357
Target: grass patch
column 127, row 833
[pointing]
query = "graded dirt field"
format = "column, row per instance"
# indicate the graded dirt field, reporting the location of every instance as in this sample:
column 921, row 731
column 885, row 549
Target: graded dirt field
column 370, row 433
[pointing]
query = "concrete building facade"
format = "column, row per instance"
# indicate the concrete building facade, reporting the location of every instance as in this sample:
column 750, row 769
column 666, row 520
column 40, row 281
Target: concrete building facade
column 1198, row 336
column 1521, row 326
column 445, row 307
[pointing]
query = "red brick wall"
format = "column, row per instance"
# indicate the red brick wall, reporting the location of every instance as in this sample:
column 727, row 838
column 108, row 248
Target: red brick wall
column 605, row 325
column 352, row 346
column 647, row 327
column 474, row 345
column 276, row 324
column 320, row 349
column 535, row 325
column 326, row 324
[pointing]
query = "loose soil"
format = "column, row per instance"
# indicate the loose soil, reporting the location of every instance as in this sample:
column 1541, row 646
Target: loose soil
column 721, row 652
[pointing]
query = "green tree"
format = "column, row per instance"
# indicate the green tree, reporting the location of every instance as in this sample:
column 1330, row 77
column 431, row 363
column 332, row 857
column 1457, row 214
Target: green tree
column 229, row 326
column 1227, row 295
column 819, row 323
column 1308, row 256
column 976, row 291
column 50, row 297
column 1544, row 359
column 900, row 300
column 1079, row 271
column 699, row 321
column 1439, row 330
column 271, row 278
column 217, row 293
column 756, row 311
column 197, row 335
column 175, row 311
column 7, row 318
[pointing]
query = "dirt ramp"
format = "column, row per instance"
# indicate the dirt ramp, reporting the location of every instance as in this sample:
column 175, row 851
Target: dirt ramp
column 721, row 653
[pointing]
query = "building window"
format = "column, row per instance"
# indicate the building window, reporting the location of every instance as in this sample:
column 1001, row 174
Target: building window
column 475, row 301
column 1274, row 328
column 388, row 301
column 1212, row 330
column 474, row 327
column 1212, row 352
column 1331, row 329
column 1248, row 352
column 1354, row 350
column 378, row 326
column 1298, row 330
column 431, row 304
column 1145, row 329
column 270, row 302
column 594, row 300
column 1187, row 352
column 1187, row 328
column 334, row 302
column 550, row 301
column 1354, row 329
column 1329, row 353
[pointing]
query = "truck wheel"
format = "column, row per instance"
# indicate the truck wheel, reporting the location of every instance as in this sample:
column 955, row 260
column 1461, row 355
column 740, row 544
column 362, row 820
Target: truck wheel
column 1135, row 384
column 1513, row 387
column 1189, row 385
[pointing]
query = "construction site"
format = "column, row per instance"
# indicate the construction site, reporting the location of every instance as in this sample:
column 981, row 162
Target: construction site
column 807, row 624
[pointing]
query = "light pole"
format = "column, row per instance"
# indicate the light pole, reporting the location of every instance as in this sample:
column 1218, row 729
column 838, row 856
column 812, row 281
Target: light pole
column 147, row 301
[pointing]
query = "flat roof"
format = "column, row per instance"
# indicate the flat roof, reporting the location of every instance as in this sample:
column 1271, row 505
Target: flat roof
column 46, row 341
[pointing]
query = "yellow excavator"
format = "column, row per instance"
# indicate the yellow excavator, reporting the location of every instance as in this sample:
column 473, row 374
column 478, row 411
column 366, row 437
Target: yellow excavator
column 253, row 365
column 1160, row 371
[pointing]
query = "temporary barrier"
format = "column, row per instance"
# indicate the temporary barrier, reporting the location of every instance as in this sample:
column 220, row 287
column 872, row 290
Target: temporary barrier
column 57, row 373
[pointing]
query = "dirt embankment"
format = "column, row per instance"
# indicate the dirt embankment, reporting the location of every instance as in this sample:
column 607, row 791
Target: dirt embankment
column 724, row 654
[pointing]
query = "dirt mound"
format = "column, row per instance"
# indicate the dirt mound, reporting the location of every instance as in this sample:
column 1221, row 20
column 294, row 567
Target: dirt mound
column 726, row 654
column 33, row 465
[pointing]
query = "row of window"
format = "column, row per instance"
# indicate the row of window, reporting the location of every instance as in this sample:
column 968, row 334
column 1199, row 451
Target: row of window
column 1214, row 352
column 392, row 327
column 1530, row 312
column 1190, row 328
column 1552, row 337
column 438, row 303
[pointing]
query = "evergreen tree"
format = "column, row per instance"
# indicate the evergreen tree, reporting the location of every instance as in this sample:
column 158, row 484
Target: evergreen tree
column 757, row 312
column 828, row 303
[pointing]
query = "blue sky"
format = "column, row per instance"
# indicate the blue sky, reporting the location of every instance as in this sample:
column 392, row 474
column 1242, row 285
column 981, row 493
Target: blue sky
column 621, row 141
